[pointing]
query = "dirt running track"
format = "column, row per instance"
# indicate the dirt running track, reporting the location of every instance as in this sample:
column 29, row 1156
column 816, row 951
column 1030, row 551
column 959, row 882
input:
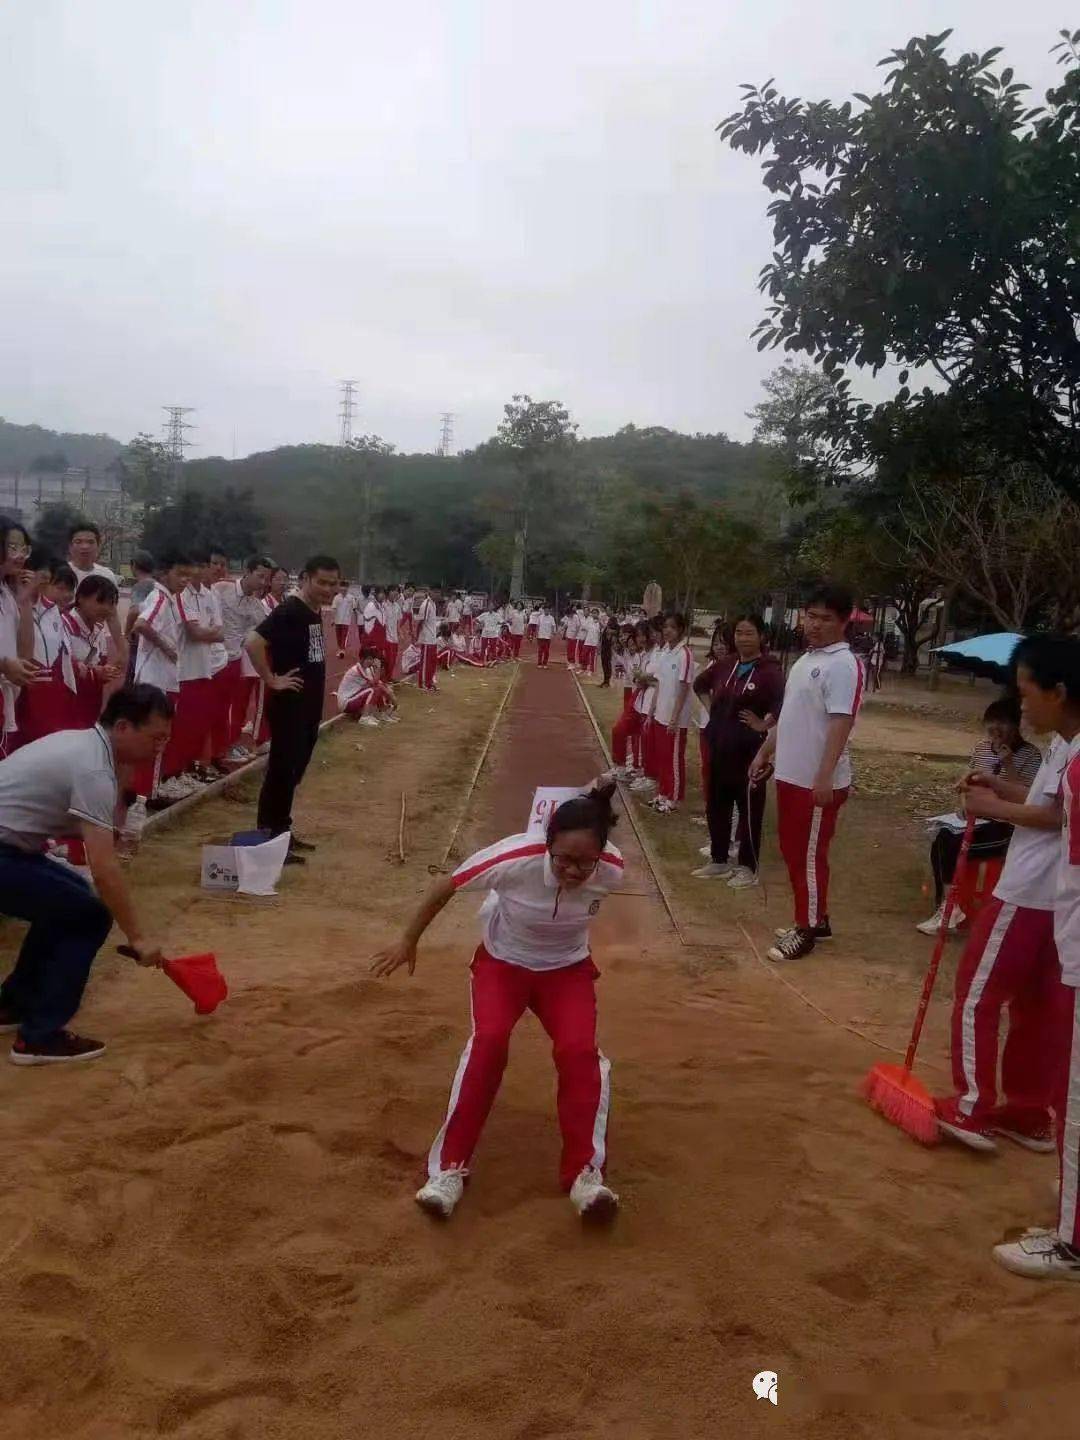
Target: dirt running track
column 210, row 1234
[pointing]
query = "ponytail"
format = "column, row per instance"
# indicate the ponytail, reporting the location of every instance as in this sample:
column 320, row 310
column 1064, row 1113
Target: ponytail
column 586, row 812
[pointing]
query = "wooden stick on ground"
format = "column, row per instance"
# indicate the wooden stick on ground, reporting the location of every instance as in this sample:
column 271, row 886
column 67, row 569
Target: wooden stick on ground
column 401, row 831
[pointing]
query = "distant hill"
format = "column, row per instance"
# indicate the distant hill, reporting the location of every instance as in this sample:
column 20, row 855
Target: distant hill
column 21, row 445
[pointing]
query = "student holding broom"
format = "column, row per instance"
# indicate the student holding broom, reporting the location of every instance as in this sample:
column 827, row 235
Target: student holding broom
column 1010, row 959
column 542, row 894
column 1048, row 678
column 62, row 783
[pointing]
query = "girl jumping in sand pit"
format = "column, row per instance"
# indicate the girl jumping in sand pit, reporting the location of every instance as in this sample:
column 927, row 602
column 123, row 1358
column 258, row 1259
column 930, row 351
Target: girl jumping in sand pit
column 534, row 956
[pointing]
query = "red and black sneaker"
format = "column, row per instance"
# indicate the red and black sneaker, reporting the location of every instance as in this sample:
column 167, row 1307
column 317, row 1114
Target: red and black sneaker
column 59, row 1049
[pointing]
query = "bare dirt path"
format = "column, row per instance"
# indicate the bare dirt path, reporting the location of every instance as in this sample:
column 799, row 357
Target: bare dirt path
column 210, row 1234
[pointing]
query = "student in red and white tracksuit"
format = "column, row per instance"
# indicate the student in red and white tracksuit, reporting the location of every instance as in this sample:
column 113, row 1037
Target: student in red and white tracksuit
column 533, row 625
column 427, row 634
column 195, row 705
column 545, row 629
column 1010, row 959
column 625, row 732
column 515, row 620
column 588, row 642
column 158, row 631
column 675, row 671
column 46, row 706
column 645, row 705
column 362, row 691
column 92, row 649
column 535, row 955
column 573, row 635
column 392, row 612
column 490, row 622
column 344, row 613
column 1048, row 679
column 808, row 748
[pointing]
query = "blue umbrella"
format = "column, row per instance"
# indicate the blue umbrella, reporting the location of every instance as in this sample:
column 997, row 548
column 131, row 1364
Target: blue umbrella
column 985, row 654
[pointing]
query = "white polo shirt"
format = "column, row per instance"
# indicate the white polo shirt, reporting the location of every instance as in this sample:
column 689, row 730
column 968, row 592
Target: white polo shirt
column 86, row 643
column 49, row 632
column 490, row 625
column 213, row 618
column 392, row 619
column 1030, row 874
column 573, row 625
column 545, row 626
column 590, row 632
column 820, row 684
column 51, row 787
column 516, row 619
column 535, row 922
column 81, row 575
column 534, row 618
column 344, row 608
column 161, row 613
column 427, row 622
column 644, row 700
column 453, row 611
column 195, row 660
column 674, row 667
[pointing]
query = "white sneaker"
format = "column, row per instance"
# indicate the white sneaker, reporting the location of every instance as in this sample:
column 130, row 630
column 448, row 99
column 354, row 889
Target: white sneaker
column 706, row 850
column 590, row 1196
column 238, row 755
column 643, row 783
column 391, row 720
column 441, row 1193
column 622, row 772
column 711, row 871
column 933, row 925
column 369, row 721
column 1039, row 1255
column 743, row 878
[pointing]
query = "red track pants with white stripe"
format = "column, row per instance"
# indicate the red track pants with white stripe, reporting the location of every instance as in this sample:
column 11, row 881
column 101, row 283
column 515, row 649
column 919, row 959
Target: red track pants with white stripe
column 671, row 762
column 429, row 656
column 564, row 1001
column 1010, row 959
column 543, row 651
column 805, row 833
column 625, row 729
column 1067, row 1106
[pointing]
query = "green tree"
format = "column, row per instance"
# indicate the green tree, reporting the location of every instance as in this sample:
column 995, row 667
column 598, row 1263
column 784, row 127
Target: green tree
column 145, row 468
column 931, row 226
column 364, row 467
column 792, row 419
column 54, row 524
column 52, row 462
column 196, row 520
column 534, row 439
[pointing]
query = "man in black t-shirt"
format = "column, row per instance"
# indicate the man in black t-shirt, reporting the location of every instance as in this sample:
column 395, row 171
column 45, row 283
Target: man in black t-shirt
column 289, row 652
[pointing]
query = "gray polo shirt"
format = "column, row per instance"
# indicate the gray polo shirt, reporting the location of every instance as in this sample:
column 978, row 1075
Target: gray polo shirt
column 53, row 786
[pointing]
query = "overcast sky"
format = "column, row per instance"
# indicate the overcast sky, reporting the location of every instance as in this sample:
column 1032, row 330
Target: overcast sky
column 233, row 204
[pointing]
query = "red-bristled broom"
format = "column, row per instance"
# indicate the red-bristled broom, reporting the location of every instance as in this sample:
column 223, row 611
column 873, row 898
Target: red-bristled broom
column 892, row 1090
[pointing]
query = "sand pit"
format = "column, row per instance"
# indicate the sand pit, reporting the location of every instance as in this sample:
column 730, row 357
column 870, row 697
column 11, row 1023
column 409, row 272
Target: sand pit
column 210, row 1233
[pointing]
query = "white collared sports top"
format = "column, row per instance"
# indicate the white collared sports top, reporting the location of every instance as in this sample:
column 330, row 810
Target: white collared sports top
column 535, row 922
column 820, row 684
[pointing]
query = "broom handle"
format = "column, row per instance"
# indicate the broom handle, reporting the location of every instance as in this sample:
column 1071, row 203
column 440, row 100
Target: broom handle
column 939, row 944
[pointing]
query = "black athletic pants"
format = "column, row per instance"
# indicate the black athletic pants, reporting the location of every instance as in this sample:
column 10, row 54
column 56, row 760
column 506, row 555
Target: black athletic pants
column 294, row 728
column 724, row 798
column 605, row 659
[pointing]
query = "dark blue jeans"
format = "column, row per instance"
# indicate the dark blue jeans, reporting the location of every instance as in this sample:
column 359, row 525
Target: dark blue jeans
column 68, row 926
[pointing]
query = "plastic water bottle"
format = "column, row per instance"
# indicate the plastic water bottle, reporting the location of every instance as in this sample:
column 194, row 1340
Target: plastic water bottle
column 134, row 824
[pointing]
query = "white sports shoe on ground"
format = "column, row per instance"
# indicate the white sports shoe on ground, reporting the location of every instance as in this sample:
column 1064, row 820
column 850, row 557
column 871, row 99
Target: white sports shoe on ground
column 933, row 925
column 742, row 879
column 643, row 783
column 1039, row 1255
column 590, row 1196
column 441, row 1193
column 369, row 721
column 706, row 850
column 711, row 871
column 391, row 719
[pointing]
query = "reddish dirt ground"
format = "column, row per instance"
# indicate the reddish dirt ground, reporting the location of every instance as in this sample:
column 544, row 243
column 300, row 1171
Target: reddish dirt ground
column 210, row 1233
